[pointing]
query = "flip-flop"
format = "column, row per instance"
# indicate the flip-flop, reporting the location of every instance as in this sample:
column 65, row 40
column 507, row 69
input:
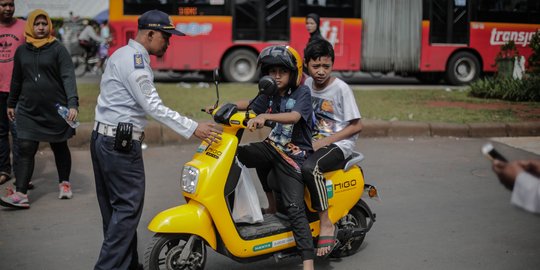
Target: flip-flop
column 4, row 178
column 328, row 241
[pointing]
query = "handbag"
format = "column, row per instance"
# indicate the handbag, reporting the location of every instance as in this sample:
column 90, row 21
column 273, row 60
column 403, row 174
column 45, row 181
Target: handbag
column 246, row 208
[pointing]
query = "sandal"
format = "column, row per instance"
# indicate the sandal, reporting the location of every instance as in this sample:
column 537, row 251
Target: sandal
column 4, row 177
column 328, row 241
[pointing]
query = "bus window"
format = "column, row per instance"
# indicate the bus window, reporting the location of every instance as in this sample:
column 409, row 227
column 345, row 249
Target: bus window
column 246, row 21
column 203, row 7
column 327, row 8
column 534, row 11
column 502, row 11
column 449, row 22
column 138, row 7
column 272, row 25
column 178, row 7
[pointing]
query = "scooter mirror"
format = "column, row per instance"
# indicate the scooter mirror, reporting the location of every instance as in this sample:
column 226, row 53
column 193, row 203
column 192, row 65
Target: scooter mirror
column 216, row 75
column 216, row 82
column 267, row 86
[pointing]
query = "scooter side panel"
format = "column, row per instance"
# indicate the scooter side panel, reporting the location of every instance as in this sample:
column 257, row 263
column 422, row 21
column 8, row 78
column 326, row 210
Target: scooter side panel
column 190, row 218
column 347, row 189
column 241, row 248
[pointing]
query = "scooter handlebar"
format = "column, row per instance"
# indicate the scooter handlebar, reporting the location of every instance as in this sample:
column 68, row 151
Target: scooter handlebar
column 267, row 123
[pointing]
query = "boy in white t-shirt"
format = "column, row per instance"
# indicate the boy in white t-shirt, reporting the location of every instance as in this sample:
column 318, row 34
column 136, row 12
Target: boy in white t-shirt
column 337, row 126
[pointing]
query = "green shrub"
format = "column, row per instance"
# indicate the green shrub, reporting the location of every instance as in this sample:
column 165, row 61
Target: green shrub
column 510, row 89
column 534, row 59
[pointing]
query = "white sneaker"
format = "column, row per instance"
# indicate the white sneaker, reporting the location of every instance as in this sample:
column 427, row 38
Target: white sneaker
column 15, row 200
column 65, row 190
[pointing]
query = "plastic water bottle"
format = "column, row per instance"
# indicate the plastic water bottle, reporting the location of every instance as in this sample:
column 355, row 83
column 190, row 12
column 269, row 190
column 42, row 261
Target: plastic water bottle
column 64, row 112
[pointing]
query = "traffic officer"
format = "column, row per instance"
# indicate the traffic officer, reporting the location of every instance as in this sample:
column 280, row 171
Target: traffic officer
column 126, row 96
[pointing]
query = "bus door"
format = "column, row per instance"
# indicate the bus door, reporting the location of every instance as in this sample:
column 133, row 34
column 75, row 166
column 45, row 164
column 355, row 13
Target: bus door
column 261, row 20
column 391, row 38
column 449, row 21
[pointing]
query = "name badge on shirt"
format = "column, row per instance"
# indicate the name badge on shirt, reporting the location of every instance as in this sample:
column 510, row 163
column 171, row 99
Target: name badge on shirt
column 138, row 61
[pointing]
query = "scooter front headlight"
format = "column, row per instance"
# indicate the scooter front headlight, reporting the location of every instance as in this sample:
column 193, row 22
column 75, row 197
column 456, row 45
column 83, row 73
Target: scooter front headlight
column 190, row 179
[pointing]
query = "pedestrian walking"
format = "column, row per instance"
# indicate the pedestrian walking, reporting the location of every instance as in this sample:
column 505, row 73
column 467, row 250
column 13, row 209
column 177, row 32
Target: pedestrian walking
column 12, row 30
column 43, row 76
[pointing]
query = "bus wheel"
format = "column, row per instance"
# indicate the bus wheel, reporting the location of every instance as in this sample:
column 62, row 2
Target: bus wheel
column 463, row 68
column 240, row 66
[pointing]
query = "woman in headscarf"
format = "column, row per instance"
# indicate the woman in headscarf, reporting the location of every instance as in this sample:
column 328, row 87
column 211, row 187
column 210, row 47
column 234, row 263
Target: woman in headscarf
column 313, row 22
column 43, row 76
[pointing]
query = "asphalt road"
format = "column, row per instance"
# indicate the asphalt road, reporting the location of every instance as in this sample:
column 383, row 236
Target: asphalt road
column 441, row 208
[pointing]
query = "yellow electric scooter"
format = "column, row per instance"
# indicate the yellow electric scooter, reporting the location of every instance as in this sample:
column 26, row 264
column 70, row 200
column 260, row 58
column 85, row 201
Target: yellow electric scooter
column 209, row 181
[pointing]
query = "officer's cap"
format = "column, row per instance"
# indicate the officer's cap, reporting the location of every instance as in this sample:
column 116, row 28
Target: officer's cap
column 158, row 20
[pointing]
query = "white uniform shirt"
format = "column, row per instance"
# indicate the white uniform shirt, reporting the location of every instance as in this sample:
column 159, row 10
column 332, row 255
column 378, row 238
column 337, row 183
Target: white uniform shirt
column 127, row 93
column 334, row 108
column 526, row 193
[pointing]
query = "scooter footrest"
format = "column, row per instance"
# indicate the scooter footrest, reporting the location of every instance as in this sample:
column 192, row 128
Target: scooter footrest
column 270, row 226
column 346, row 234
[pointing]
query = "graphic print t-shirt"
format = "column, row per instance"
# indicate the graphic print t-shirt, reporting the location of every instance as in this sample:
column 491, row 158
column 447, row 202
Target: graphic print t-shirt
column 334, row 107
column 292, row 141
column 11, row 38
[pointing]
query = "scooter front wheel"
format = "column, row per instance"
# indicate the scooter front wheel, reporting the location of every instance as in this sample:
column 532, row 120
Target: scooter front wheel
column 175, row 251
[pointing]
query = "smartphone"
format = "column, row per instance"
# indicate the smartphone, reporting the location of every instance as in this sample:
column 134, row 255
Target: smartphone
column 489, row 151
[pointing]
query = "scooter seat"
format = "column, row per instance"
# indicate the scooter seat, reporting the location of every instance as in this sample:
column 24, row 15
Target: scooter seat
column 356, row 157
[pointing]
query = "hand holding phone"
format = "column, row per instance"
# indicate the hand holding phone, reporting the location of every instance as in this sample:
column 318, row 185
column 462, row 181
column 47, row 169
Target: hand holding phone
column 489, row 151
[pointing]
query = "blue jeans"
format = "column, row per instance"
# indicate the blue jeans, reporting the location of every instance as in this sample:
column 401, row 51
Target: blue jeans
column 5, row 149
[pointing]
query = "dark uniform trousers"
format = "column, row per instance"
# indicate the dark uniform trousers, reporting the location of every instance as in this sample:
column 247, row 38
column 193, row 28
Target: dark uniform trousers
column 264, row 157
column 120, row 187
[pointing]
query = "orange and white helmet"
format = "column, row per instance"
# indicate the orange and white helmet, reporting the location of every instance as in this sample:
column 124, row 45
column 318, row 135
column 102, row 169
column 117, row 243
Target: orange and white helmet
column 285, row 56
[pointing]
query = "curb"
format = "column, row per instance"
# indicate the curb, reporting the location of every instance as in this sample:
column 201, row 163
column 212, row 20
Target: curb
column 157, row 134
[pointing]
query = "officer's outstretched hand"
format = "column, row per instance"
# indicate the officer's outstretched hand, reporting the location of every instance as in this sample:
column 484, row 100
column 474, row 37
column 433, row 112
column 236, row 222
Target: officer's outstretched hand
column 208, row 132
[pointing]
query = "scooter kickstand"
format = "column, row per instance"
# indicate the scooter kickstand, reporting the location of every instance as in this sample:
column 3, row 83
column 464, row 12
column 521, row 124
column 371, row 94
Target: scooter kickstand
column 280, row 256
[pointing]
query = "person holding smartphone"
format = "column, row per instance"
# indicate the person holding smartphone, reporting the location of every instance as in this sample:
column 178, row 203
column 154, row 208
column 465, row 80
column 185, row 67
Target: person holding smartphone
column 522, row 177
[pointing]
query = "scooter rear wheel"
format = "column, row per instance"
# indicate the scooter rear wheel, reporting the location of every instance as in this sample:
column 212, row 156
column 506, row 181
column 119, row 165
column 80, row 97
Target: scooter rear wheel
column 166, row 251
column 355, row 219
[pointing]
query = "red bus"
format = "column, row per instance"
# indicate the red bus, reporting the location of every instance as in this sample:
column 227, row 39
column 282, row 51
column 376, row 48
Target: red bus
column 432, row 39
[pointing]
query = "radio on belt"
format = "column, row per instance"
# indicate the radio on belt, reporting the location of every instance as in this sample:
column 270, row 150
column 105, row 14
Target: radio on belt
column 123, row 138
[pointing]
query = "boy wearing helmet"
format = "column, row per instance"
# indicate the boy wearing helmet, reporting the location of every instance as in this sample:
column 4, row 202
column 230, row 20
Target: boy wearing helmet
column 289, row 142
column 335, row 133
